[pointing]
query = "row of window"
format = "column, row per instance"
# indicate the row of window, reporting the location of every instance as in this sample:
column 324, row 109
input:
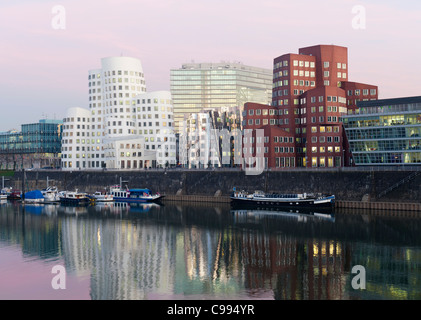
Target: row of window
column 83, row 155
column 296, row 82
column 93, row 164
column 329, row 162
column 323, row 139
column 113, row 73
column 323, row 149
column 365, row 92
column 250, row 150
column 306, row 64
column 387, row 158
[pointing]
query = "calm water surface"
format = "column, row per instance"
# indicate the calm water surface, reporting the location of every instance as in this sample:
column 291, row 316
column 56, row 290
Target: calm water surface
column 193, row 251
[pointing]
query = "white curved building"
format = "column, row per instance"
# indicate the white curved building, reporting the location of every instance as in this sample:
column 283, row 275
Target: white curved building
column 128, row 128
column 76, row 139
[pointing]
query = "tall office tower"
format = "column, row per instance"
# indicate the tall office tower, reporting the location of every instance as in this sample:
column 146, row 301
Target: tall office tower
column 113, row 132
column 198, row 86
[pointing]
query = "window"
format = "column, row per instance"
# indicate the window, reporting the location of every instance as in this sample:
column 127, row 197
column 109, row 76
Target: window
column 326, row 64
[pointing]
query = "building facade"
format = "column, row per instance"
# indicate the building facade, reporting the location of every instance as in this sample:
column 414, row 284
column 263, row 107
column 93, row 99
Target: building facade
column 311, row 93
column 198, row 86
column 37, row 145
column 125, row 127
column 385, row 132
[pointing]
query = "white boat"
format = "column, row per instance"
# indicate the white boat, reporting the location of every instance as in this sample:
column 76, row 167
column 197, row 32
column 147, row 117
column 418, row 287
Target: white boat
column 73, row 197
column 135, row 195
column 50, row 194
column 103, row 197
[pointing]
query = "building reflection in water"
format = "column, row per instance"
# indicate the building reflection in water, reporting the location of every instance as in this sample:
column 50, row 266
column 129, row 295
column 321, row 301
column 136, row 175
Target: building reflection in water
column 171, row 252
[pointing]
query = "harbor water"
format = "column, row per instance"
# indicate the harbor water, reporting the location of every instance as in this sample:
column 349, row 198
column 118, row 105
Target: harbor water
column 193, row 251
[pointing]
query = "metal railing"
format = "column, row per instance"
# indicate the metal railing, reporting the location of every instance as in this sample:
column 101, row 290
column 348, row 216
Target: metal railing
column 398, row 184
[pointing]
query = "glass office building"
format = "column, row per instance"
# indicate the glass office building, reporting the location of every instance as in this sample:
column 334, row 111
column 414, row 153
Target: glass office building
column 36, row 145
column 385, row 132
column 198, row 86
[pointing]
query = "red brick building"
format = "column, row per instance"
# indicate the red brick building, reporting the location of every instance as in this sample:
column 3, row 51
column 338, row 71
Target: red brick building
column 276, row 145
column 310, row 94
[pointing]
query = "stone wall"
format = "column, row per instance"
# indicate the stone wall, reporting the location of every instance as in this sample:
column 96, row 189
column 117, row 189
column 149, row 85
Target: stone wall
column 348, row 185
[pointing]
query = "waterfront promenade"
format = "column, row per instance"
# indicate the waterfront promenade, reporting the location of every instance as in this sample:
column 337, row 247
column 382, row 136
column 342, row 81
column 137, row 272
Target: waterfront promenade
column 394, row 188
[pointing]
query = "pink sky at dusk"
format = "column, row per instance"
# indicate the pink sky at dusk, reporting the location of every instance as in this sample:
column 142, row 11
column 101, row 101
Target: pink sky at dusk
column 44, row 71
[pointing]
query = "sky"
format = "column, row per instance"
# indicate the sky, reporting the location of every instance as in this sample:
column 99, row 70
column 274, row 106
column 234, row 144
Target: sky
column 44, row 60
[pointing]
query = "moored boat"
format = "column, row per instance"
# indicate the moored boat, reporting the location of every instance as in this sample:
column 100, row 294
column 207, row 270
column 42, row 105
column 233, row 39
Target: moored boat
column 50, row 194
column 135, row 195
column 73, row 197
column 274, row 200
column 34, row 196
column 103, row 197
column 14, row 195
column 3, row 195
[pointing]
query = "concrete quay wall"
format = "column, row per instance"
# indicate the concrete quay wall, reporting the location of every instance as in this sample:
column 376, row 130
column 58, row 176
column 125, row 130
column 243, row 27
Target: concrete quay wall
column 347, row 185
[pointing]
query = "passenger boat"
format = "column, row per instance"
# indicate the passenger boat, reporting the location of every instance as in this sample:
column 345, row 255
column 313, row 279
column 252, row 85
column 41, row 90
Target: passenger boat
column 264, row 200
column 50, row 195
column 34, row 196
column 74, row 197
column 102, row 197
column 134, row 195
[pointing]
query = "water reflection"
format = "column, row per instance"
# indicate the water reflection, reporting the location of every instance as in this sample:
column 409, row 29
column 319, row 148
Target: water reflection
column 193, row 251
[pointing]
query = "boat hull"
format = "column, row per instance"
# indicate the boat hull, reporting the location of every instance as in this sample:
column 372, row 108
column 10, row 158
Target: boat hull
column 75, row 201
column 139, row 200
column 324, row 203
